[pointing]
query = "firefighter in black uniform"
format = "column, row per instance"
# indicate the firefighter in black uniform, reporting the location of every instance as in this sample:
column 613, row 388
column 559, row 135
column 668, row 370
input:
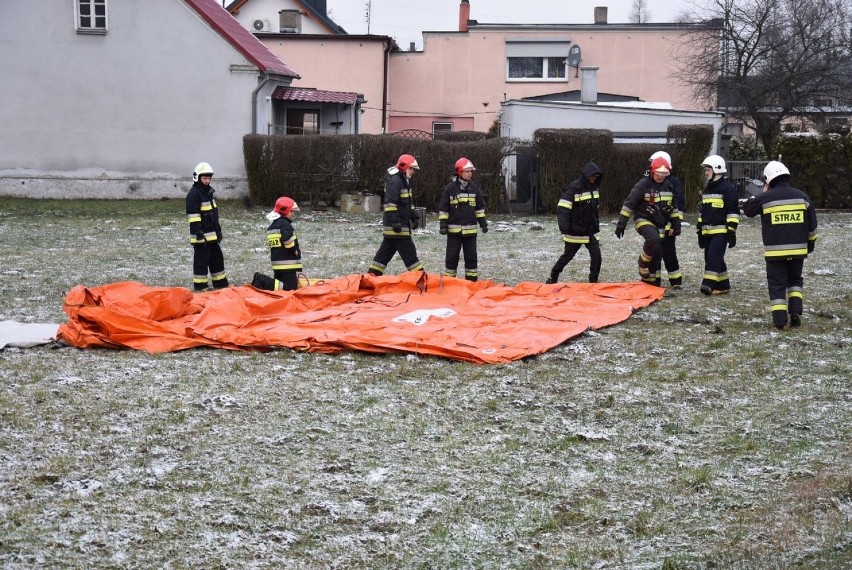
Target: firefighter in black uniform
column 398, row 219
column 579, row 222
column 461, row 208
column 673, row 196
column 652, row 220
column 205, row 233
column 789, row 225
column 283, row 249
column 717, row 225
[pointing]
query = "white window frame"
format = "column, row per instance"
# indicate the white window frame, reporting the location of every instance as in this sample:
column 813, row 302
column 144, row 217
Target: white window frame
column 82, row 7
column 545, row 70
column 544, row 51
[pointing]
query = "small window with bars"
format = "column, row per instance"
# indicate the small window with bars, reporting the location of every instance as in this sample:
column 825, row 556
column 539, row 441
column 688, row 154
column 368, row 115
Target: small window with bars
column 91, row 16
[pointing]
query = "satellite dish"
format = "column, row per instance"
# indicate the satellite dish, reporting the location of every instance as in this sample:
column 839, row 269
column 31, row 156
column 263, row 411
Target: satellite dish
column 574, row 56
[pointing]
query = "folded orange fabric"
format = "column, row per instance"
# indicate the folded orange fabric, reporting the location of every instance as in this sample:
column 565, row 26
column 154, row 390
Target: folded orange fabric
column 482, row 322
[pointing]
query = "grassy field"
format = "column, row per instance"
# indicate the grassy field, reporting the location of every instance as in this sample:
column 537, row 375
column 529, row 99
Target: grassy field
column 694, row 435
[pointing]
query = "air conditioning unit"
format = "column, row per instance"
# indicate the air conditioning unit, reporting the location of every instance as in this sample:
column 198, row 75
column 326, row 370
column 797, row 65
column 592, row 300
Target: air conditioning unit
column 261, row 25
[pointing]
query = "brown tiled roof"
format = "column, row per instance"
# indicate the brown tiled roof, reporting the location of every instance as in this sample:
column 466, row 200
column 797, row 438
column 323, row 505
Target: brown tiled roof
column 314, row 95
column 239, row 37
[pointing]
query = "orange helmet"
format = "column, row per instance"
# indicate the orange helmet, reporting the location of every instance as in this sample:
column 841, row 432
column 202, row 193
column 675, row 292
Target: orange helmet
column 463, row 164
column 660, row 165
column 405, row 162
column 284, row 205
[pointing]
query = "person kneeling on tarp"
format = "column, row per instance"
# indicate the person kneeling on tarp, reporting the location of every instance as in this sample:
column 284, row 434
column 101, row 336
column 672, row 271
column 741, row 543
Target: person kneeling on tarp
column 283, row 249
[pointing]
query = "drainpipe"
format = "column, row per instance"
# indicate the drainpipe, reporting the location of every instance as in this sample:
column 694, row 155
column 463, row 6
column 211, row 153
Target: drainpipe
column 261, row 85
column 385, row 86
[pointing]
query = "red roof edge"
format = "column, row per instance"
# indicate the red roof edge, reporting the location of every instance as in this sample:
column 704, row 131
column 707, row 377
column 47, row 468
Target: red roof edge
column 239, row 37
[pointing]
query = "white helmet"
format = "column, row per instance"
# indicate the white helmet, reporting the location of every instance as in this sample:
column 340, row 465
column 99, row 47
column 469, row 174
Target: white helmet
column 716, row 162
column 773, row 170
column 202, row 168
column 664, row 154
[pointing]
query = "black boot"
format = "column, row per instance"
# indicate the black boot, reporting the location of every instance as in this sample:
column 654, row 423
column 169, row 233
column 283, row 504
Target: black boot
column 261, row 281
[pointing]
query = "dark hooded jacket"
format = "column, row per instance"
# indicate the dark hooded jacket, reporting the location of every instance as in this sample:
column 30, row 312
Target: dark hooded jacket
column 577, row 211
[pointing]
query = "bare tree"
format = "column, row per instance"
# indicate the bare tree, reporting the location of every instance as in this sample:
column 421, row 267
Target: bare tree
column 639, row 13
column 766, row 61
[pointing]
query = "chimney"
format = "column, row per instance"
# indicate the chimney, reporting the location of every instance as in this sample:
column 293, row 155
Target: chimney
column 464, row 15
column 411, row 46
column 589, row 85
column 600, row 15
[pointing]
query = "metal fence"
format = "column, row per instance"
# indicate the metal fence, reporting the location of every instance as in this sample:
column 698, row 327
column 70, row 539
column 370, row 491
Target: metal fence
column 742, row 172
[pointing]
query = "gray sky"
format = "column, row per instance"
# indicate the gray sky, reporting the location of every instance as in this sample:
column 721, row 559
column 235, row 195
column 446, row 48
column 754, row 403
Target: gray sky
column 406, row 19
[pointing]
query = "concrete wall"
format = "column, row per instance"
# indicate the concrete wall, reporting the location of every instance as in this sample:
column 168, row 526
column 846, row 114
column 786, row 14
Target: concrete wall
column 464, row 73
column 522, row 118
column 138, row 107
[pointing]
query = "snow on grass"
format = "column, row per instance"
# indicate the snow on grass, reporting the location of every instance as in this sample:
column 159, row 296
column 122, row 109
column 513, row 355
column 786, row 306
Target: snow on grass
column 692, row 435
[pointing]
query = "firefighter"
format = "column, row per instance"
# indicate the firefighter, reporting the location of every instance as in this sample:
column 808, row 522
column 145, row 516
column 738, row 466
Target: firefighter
column 789, row 225
column 652, row 218
column 283, row 249
column 717, row 225
column 460, row 210
column 579, row 222
column 205, row 233
column 399, row 219
column 672, row 196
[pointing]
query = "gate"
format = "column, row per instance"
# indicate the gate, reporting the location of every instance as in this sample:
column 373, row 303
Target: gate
column 742, row 172
column 520, row 171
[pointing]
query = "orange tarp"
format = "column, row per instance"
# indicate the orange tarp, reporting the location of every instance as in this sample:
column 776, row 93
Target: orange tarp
column 482, row 322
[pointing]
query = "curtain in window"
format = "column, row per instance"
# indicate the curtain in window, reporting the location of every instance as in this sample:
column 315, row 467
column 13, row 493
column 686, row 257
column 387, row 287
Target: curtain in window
column 526, row 67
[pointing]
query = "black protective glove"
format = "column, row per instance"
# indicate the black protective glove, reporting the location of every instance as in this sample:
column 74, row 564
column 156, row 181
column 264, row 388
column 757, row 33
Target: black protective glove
column 619, row 229
column 702, row 241
column 415, row 222
column 442, row 228
column 811, row 244
column 199, row 238
column 675, row 227
column 732, row 239
column 484, row 226
column 396, row 227
column 219, row 236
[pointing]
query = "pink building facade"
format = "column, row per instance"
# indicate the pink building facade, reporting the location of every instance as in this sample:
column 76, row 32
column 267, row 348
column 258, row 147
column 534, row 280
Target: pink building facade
column 460, row 79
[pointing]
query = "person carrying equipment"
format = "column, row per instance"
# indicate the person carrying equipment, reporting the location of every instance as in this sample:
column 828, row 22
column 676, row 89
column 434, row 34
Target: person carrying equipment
column 717, row 225
column 789, row 223
column 205, row 233
column 579, row 222
column 460, row 209
column 651, row 218
column 284, row 249
column 398, row 219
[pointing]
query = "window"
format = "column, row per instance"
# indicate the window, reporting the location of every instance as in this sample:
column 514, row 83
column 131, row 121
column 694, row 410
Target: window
column 442, row 128
column 537, row 68
column 91, row 16
column 303, row 121
column 537, row 59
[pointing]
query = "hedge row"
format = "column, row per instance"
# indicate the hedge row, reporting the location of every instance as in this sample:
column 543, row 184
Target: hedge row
column 319, row 169
column 563, row 152
column 819, row 165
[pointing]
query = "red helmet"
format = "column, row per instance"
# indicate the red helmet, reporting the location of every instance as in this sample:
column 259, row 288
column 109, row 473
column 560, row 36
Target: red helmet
column 463, row 164
column 405, row 162
column 284, row 205
column 660, row 165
